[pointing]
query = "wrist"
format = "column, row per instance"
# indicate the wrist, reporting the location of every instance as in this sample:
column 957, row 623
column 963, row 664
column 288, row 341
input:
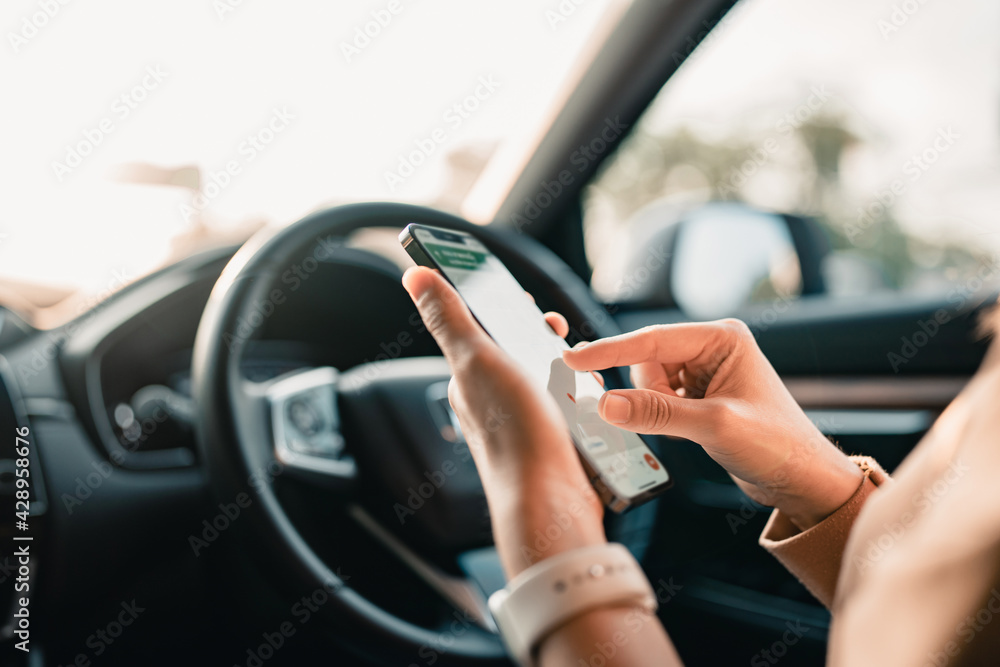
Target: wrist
column 544, row 599
column 823, row 485
column 535, row 521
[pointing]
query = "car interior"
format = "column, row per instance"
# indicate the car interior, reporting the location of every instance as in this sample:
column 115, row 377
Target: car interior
column 247, row 456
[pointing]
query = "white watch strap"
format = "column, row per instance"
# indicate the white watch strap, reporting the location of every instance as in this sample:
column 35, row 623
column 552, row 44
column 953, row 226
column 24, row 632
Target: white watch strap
column 557, row 589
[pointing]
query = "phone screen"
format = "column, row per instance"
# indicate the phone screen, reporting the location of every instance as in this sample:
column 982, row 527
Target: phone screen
column 622, row 460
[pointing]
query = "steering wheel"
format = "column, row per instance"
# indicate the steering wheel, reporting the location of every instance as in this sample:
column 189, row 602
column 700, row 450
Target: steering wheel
column 370, row 428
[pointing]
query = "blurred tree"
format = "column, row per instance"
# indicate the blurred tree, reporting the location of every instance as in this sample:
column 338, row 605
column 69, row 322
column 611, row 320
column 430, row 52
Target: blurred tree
column 688, row 168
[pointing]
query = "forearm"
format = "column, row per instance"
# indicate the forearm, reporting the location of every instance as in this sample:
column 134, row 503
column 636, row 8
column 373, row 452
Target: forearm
column 625, row 636
column 537, row 519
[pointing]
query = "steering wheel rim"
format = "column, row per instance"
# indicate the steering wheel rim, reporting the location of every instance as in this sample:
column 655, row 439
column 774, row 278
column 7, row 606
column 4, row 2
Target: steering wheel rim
column 227, row 418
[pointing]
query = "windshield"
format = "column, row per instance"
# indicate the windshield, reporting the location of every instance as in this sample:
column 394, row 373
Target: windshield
column 142, row 136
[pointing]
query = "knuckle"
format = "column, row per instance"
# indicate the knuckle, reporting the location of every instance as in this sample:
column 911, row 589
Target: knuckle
column 484, row 361
column 656, row 413
column 652, row 331
column 432, row 313
column 736, row 328
column 454, row 394
column 474, row 362
column 464, row 365
column 720, row 418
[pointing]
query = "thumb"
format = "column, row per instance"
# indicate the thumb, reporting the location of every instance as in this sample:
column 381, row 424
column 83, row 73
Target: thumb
column 445, row 315
column 647, row 411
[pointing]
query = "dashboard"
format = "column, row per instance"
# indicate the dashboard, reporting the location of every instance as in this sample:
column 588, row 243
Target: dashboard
column 119, row 488
column 133, row 367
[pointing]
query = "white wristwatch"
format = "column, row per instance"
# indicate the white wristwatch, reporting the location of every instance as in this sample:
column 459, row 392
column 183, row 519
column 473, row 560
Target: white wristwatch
column 557, row 589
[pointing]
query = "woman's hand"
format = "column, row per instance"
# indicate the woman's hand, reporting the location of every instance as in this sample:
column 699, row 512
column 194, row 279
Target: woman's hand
column 541, row 502
column 711, row 384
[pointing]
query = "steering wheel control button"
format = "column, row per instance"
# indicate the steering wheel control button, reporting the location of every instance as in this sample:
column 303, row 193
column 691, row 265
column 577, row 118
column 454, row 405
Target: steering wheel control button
column 304, row 409
column 305, row 424
column 305, row 416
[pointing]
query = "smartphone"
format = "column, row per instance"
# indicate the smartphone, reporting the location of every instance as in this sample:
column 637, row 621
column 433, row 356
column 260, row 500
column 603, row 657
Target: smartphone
column 622, row 468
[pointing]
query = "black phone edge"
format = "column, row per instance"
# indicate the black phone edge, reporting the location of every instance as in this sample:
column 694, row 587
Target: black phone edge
column 413, row 249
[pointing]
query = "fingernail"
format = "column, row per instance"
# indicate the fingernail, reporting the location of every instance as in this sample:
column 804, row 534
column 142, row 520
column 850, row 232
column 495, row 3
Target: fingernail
column 581, row 345
column 617, row 409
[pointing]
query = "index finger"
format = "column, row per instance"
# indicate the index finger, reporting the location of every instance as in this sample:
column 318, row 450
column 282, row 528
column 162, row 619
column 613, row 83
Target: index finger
column 662, row 343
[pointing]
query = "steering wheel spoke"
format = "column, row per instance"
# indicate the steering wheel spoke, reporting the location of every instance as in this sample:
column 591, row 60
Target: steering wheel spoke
column 305, row 427
column 465, row 594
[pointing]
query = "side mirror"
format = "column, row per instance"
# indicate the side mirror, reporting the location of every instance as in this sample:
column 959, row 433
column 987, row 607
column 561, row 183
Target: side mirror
column 723, row 256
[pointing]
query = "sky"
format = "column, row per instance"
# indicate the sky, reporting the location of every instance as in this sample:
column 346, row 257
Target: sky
column 356, row 104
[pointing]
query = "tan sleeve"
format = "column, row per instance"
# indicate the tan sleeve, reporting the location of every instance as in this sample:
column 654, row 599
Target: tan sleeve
column 814, row 555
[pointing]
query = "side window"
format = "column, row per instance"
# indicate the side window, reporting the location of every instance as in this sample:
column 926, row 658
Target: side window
column 870, row 124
